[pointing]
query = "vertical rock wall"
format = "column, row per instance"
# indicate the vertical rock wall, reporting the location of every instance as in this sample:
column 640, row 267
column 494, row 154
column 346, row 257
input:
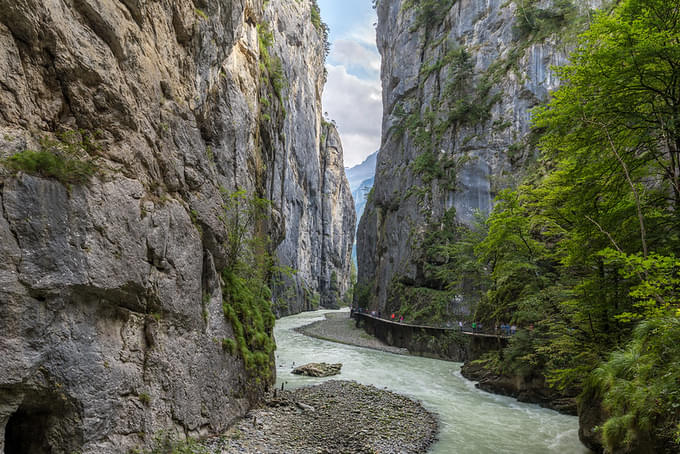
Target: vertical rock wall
column 339, row 220
column 111, row 321
column 312, row 188
column 459, row 80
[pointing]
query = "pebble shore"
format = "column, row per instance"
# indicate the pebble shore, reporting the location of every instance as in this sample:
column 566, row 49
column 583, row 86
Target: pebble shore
column 333, row 417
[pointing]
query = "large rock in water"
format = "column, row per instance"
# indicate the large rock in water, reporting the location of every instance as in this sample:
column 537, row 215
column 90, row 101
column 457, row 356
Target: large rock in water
column 318, row 369
column 111, row 321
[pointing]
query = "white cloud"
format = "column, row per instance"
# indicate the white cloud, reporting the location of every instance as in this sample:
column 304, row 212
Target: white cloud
column 353, row 55
column 365, row 32
column 356, row 106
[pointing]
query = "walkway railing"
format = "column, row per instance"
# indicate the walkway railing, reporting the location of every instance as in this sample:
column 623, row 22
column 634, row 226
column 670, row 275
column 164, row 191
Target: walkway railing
column 467, row 330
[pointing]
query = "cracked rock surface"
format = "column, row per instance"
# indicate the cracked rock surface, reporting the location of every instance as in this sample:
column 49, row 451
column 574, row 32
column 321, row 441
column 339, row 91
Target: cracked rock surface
column 111, row 316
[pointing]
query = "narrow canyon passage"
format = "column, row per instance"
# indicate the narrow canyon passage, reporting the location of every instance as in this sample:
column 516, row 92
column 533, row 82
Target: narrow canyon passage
column 471, row 421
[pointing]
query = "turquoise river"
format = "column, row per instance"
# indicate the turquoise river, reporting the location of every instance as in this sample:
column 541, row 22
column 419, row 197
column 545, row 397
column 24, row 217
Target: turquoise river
column 471, row 421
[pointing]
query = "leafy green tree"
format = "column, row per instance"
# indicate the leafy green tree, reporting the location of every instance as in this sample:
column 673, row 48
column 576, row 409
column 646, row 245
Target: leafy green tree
column 615, row 122
column 587, row 247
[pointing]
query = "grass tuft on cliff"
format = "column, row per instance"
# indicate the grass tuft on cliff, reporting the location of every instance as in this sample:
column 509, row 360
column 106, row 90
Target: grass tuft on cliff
column 67, row 159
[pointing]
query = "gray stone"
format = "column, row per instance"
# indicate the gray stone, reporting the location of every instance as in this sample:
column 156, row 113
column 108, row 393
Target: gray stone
column 110, row 299
column 318, row 369
column 394, row 220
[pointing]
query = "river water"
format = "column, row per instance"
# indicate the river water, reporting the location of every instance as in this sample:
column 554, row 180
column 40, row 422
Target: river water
column 471, row 421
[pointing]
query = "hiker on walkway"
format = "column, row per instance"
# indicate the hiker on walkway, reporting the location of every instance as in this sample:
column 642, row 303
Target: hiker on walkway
column 460, row 326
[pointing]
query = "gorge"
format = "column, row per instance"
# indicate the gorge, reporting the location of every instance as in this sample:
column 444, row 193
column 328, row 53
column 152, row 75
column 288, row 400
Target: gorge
column 169, row 187
column 528, row 176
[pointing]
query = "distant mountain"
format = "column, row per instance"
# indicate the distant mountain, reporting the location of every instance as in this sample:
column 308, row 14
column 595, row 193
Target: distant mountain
column 358, row 174
column 360, row 195
column 361, row 179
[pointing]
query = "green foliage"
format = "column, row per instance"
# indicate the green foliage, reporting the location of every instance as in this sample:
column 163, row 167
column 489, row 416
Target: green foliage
column 617, row 103
column 334, row 288
column 229, row 345
column 420, row 304
column 320, row 26
column 585, row 250
column 538, row 23
column 442, row 344
column 246, row 293
column 284, row 286
column 68, row 159
column 144, row 398
column 460, row 62
column 452, row 276
column 200, row 13
column 242, row 214
column 348, row 298
column 312, row 299
column 271, row 66
column 656, row 280
column 363, row 294
column 429, row 13
column 277, row 77
column 639, row 387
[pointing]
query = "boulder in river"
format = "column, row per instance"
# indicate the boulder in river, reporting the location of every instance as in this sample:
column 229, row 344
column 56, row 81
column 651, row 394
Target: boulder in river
column 318, row 369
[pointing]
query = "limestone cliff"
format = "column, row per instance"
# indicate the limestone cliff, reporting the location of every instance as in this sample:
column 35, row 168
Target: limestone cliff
column 339, row 220
column 319, row 238
column 111, row 320
column 459, row 79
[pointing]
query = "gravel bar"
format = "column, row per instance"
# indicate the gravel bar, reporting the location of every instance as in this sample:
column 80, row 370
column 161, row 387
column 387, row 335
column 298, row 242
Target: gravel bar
column 333, row 417
column 338, row 327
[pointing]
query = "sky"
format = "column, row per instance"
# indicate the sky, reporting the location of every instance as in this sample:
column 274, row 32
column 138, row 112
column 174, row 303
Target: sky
column 352, row 96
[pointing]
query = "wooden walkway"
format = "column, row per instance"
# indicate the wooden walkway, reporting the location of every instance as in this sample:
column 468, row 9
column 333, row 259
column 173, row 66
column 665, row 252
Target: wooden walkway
column 466, row 331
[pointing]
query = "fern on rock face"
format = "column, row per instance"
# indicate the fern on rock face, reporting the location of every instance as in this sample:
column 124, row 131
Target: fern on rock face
column 639, row 387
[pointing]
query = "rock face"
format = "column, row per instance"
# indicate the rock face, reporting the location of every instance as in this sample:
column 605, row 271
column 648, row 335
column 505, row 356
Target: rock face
column 531, row 389
column 319, row 231
column 338, row 220
column 459, row 79
column 111, row 316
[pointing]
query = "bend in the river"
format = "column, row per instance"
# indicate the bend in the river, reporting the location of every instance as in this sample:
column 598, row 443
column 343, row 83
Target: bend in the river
column 471, row 421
